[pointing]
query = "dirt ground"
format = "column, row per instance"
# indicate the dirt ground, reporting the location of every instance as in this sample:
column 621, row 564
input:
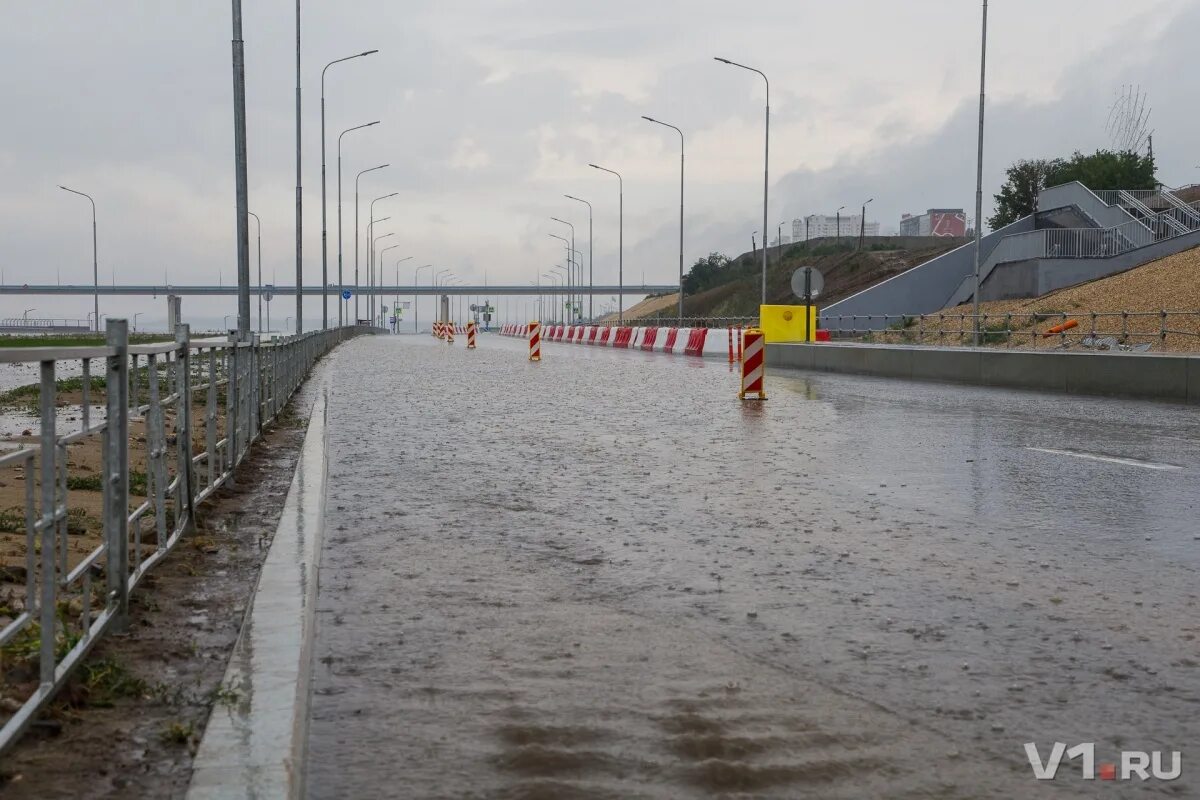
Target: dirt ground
column 1168, row 284
column 129, row 724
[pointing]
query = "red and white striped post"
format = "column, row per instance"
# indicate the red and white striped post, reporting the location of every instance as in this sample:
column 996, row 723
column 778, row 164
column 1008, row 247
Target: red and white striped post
column 535, row 341
column 449, row 333
column 471, row 335
column 730, row 344
column 741, row 342
column 753, row 364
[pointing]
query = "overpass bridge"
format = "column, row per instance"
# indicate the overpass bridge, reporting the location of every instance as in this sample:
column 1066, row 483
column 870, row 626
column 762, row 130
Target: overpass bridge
column 153, row 290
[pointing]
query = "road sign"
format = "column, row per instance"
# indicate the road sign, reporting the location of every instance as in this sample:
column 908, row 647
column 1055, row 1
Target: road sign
column 807, row 283
column 268, row 292
column 384, row 309
column 392, row 320
column 346, row 294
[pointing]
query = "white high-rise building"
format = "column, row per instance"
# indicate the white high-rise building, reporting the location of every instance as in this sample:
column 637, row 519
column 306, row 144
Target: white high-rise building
column 820, row 226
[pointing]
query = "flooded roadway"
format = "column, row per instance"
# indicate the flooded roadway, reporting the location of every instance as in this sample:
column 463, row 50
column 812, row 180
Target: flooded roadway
column 602, row 576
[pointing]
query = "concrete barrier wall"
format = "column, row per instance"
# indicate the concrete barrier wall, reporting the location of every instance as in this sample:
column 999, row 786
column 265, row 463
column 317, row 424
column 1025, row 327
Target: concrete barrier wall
column 1174, row 378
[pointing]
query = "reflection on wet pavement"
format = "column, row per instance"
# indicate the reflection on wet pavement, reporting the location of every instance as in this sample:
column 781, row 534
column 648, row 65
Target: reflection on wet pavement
column 601, row 576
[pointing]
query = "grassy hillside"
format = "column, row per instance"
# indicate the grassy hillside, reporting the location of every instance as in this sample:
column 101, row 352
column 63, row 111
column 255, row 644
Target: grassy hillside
column 735, row 289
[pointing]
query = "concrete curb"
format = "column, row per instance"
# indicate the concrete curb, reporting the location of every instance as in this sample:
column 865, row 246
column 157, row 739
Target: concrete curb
column 255, row 743
column 1174, row 378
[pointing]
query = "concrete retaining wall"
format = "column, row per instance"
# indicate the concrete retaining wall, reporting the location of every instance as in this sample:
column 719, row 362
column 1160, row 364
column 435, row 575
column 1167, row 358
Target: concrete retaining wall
column 1174, row 378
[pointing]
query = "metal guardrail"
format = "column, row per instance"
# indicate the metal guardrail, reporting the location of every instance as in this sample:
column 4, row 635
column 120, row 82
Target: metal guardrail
column 1126, row 329
column 676, row 322
column 19, row 324
column 202, row 404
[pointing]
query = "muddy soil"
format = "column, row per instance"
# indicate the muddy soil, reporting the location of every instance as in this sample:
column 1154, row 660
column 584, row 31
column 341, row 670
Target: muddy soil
column 137, row 737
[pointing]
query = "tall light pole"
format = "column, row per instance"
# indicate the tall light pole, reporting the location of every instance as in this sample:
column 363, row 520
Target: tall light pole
column 620, row 241
column 260, row 286
column 681, row 149
column 570, row 258
column 396, row 300
column 324, row 233
column 341, row 283
column 979, row 169
column 417, row 298
column 371, row 256
column 766, row 166
column 378, row 269
column 25, row 316
column 839, row 225
column 95, row 261
column 591, row 277
column 862, row 224
column 299, row 201
column 554, row 277
column 356, row 279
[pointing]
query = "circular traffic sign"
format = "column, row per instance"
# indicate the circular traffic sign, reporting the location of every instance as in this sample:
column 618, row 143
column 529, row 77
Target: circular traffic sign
column 346, row 294
column 384, row 309
column 810, row 278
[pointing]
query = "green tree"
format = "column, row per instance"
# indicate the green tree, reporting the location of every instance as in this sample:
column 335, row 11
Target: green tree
column 1018, row 195
column 705, row 273
column 1105, row 169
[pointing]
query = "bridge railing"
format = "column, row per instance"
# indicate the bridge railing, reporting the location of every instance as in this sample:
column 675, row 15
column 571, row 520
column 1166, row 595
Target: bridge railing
column 20, row 324
column 1090, row 330
column 162, row 426
column 676, row 322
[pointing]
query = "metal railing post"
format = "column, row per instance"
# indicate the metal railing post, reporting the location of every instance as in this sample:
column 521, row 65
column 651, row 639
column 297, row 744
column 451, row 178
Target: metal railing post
column 47, row 451
column 185, row 501
column 116, row 470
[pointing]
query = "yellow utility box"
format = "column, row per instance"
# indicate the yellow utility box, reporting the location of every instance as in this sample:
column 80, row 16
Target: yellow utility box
column 786, row 323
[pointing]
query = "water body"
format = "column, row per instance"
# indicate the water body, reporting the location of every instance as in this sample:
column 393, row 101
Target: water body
column 603, row 576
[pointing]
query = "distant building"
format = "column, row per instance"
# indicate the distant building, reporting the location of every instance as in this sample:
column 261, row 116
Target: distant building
column 822, row 225
column 935, row 222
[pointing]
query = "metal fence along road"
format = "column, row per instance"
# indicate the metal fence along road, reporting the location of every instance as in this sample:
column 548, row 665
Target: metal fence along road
column 1100, row 330
column 193, row 408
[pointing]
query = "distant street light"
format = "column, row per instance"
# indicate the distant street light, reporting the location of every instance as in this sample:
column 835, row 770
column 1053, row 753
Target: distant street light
column 766, row 167
column 324, row 232
column 25, row 315
column 95, row 262
column 571, row 257
column 226, row 323
column 341, row 282
column 839, row 225
column 260, row 283
column 357, row 285
column 371, row 254
column 862, row 224
column 135, row 316
column 620, row 239
column 591, row 277
column 417, row 298
column 672, row 127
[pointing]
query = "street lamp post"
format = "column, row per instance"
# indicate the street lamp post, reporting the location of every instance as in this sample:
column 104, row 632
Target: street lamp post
column 324, row 232
column 862, row 224
column 371, row 255
column 379, row 267
column 554, row 277
column 240, row 180
column 591, row 278
column 565, row 241
column 417, row 298
column 356, row 279
column 341, row 283
column 979, row 169
column 95, row 262
column 25, row 315
column 681, row 149
column 766, row 166
column 571, row 258
column 258, row 225
column 839, row 225
column 620, row 240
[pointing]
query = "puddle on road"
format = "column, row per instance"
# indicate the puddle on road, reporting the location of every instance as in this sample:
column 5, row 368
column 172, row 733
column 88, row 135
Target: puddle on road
column 599, row 576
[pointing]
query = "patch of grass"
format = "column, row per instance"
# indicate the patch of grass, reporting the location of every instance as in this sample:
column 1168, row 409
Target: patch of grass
column 12, row 520
column 178, row 733
column 227, row 696
column 996, row 333
column 105, row 680
column 85, row 483
column 78, row 340
column 138, row 482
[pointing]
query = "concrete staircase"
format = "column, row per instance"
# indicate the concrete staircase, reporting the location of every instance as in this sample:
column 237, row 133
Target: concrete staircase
column 1048, row 250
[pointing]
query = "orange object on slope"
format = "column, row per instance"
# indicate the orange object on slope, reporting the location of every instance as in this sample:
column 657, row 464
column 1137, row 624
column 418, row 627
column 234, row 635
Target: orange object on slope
column 1066, row 326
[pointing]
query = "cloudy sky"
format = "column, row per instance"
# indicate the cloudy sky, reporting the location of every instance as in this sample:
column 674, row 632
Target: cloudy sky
column 491, row 110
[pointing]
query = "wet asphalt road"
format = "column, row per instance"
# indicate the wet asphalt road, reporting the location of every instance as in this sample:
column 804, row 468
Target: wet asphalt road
column 602, row 576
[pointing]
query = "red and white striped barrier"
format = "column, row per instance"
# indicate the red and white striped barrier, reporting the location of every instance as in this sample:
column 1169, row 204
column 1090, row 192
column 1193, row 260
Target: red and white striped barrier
column 535, row 341
column 753, row 365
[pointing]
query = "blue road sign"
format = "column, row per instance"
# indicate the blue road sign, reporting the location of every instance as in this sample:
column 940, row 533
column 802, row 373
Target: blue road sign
column 346, row 294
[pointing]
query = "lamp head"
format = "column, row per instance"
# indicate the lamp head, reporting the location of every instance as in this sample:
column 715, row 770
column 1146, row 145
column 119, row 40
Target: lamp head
column 369, row 52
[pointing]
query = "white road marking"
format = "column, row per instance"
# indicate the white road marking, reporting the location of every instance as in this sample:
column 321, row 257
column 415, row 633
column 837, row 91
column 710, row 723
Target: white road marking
column 1128, row 462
